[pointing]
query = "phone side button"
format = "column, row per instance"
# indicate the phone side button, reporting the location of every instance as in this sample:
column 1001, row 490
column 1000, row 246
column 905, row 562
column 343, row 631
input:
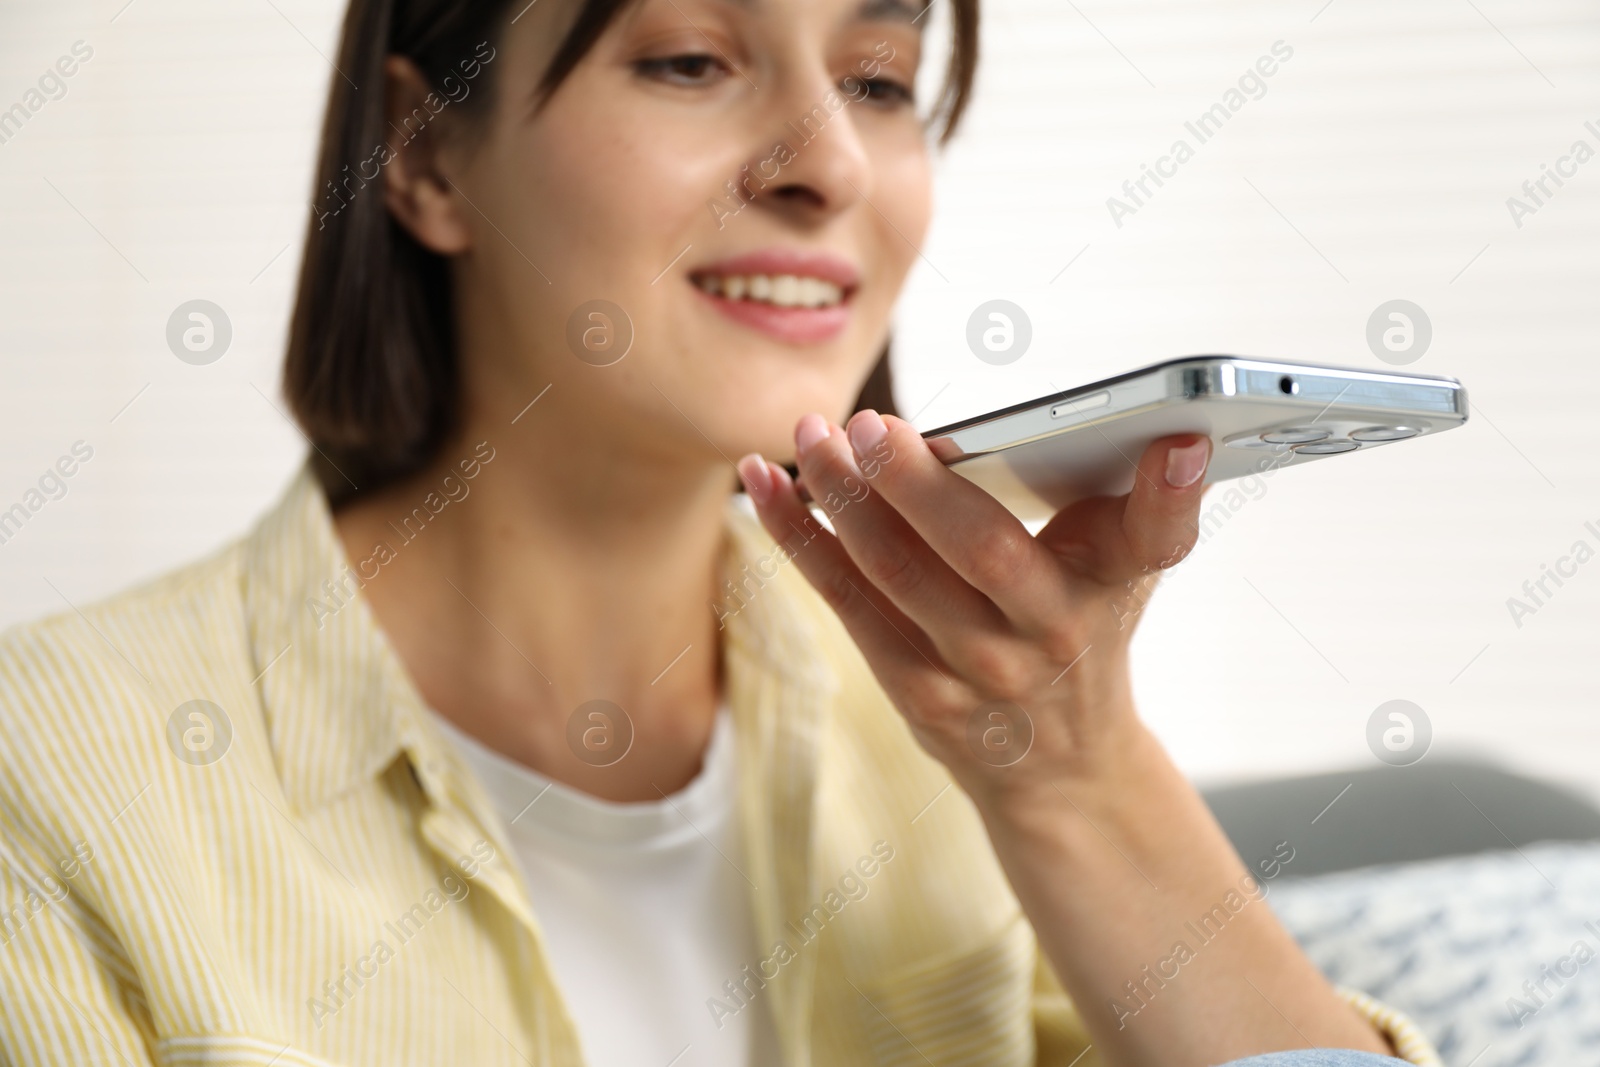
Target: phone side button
column 1081, row 406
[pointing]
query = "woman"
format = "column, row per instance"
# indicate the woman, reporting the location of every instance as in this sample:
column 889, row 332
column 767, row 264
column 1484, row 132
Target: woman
column 447, row 761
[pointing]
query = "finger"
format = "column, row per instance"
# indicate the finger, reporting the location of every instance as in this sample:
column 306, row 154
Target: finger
column 1113, row 539
column 1160, row 524
column 900, row 653
column 976, row 535
column 887, row 549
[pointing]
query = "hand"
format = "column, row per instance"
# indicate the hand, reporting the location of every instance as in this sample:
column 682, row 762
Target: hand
column 1006, row 652
column 1008, row 656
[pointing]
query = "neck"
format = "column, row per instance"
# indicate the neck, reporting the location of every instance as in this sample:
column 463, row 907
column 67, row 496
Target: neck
column 556, row 575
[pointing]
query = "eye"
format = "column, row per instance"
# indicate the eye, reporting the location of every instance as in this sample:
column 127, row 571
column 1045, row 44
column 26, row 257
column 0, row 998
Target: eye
column 690, row 69
column 889, row 92
column 885, row 93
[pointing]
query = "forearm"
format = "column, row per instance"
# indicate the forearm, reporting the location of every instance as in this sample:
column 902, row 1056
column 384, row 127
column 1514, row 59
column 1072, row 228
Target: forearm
column 1154, row 925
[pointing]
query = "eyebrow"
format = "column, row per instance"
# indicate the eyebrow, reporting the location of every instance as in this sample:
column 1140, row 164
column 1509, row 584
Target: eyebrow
column 909, row 11
column 892, row 10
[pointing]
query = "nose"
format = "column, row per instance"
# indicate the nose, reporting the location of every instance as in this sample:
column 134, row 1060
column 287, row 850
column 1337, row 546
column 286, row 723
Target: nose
column 818, row 164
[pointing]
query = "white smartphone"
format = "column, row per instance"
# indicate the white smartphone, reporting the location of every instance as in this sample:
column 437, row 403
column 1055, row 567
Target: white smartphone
column 1041, row 455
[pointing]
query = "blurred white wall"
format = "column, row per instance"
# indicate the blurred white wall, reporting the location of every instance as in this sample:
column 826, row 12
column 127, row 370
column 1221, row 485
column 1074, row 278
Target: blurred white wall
column 1375, row 164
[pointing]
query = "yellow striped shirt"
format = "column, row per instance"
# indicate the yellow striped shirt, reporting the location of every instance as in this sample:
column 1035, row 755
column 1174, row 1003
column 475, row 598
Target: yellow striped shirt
column 232, row 835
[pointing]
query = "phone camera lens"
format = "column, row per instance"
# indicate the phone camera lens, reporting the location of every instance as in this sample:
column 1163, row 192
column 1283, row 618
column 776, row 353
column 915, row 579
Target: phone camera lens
column 1295, row 435
column 1286, row 385
column 1330, row 447
column 1384, row 433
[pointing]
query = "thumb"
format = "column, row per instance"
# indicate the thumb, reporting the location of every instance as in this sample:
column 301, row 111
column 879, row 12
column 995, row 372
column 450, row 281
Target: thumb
column 1160, row 524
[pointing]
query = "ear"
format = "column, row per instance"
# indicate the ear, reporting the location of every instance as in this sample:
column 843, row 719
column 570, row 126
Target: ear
column 417, row 188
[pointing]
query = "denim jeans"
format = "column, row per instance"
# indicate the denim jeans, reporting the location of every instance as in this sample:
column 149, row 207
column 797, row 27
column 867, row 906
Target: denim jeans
column 1317, row 1057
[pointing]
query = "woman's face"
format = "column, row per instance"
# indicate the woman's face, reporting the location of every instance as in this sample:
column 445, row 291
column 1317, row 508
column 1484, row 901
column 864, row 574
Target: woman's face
column 747, row 180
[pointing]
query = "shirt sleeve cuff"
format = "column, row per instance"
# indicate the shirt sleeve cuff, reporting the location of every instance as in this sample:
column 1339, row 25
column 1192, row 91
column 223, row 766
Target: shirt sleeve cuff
column 1403, row 1034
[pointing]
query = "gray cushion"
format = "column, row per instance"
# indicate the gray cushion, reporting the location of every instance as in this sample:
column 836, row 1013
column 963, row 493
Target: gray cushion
column 1438, row 807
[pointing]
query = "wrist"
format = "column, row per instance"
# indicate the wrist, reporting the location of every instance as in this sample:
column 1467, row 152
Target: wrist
column 1113, row 781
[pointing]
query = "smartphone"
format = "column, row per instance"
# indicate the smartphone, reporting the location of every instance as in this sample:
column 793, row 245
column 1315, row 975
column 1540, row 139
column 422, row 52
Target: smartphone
column 1041, row 455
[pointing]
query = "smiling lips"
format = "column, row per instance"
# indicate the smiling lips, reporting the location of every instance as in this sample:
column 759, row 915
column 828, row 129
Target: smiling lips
column 794, row 296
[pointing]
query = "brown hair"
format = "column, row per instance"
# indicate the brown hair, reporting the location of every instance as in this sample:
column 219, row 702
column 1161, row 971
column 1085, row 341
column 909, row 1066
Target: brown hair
column 371, row 370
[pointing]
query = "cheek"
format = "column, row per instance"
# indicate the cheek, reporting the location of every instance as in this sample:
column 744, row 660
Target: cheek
column 605, row 199
column 904, row 182
column 610, row 191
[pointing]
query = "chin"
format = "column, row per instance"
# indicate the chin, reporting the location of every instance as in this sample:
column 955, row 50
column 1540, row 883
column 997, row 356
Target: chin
column 764, row 380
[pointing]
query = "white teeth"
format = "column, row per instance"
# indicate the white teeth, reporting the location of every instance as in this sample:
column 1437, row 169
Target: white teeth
column 782, row 290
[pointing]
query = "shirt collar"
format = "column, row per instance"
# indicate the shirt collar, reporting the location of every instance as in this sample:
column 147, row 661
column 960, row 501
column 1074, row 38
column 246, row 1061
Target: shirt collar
column 338, row 702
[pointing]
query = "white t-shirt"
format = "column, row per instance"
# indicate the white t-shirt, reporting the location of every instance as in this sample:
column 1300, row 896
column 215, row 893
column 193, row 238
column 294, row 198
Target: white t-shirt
column 644, row 913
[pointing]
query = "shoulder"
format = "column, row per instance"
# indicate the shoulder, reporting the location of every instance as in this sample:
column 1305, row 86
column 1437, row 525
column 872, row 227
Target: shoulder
column 123, row 642
column 87, row 693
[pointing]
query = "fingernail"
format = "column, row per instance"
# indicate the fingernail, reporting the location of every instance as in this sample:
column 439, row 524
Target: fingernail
column 1185, row 465
column 812, row 429
column 756, row 477
column 866, row 429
